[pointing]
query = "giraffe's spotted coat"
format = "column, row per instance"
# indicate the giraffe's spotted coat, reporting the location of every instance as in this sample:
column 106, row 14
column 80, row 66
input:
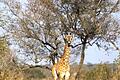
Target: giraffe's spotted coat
column 62, row 68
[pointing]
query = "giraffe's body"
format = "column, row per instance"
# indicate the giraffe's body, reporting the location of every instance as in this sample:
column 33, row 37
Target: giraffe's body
column 62, row 68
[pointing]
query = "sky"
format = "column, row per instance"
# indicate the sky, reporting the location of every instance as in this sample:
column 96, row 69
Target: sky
column 94, row 55
column 2, row 32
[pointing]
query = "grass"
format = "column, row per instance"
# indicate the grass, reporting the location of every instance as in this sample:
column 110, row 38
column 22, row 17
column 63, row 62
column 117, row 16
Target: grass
column 95, row 72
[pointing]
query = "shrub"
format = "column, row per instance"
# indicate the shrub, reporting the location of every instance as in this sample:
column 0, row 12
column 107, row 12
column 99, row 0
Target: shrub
column 8, row 70
column 33, row 73
column 100, row 72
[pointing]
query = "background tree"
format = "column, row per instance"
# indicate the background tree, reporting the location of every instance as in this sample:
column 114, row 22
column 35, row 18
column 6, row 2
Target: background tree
column 38, row 26
column 8, row 70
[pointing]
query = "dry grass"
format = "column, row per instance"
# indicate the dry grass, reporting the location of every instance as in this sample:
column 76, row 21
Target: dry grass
column 98, row 72
column 9, row 70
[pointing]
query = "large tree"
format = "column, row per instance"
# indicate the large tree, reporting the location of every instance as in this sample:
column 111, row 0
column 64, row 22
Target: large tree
column 39, row 25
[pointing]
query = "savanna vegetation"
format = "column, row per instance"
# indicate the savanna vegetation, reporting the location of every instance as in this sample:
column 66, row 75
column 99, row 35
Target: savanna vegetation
column 34, row 37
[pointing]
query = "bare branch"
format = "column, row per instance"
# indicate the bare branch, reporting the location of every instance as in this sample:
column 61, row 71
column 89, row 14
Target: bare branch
column 117, row 48
column 75, row 45
column 115, row 6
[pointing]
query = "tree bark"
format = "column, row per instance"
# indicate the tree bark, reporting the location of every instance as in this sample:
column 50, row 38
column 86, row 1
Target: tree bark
column 84, row 42
column 81, row 62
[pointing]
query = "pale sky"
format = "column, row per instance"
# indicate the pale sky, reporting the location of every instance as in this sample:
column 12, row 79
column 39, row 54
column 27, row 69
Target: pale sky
column 94, row 55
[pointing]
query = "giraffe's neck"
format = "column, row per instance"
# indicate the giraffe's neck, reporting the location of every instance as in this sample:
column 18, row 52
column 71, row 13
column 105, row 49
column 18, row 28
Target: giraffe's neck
column 66, row 51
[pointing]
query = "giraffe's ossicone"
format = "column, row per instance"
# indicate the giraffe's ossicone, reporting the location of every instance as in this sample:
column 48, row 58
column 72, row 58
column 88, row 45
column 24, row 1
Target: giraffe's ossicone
column 62, row 68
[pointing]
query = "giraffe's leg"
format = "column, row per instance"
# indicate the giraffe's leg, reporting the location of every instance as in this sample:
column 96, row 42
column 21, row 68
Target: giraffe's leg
column 54, row 73
column 67, row 75
column 62, row 75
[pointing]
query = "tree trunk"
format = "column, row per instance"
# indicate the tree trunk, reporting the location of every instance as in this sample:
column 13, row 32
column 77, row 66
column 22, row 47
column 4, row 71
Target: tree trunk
column 81, row 61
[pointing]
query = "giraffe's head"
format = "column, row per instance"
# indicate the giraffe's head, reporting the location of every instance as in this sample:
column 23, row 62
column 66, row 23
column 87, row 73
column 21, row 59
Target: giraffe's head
column 68, row 38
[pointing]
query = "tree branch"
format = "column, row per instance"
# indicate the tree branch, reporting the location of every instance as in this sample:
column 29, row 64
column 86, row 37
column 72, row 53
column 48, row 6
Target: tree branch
column 95, row 40
column 113, row 8
column 117, row 48
column 75, row 45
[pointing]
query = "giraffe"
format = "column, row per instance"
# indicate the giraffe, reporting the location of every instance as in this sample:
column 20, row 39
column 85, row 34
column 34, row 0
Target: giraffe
column 62, row 68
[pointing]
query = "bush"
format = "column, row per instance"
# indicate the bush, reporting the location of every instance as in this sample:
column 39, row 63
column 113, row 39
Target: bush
column 33, row 73
column 8, row 70
column 100, row 72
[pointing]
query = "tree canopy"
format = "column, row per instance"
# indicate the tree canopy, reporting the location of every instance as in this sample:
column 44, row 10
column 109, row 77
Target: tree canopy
column 38, row 26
